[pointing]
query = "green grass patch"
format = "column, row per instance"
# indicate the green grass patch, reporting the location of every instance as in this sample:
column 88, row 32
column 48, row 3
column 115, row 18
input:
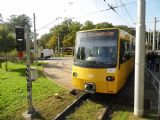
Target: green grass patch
column 126, row 113
column 13, row 94
column 88, row 111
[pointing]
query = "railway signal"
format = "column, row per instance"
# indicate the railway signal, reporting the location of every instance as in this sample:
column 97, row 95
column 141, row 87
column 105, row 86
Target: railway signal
column 20, row 39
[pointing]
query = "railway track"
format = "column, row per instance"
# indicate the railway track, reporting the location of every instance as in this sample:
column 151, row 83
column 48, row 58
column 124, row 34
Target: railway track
column 72, row 107
column 108, row 109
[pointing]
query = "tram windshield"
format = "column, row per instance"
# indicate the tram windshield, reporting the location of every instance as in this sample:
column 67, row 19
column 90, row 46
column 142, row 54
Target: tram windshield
column 96, row 48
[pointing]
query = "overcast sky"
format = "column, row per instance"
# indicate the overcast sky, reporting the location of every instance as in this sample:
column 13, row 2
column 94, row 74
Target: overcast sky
column 48, row 10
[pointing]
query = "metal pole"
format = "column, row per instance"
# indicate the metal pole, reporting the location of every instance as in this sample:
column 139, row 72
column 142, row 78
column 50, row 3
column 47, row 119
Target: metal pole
column 31, row 109
column 148, row 46
column 139, row 59
column 35, row 40
column 158, row 41
column 159, row 101
column 58, row 46
column 154, row 35
column 148, row 35
column 151, row 37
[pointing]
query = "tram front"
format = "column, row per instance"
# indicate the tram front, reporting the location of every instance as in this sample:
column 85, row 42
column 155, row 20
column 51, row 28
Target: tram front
column 95, row 60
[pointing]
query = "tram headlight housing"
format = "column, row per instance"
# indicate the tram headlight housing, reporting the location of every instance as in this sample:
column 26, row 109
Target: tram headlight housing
column 110, row 78
column 75, row 74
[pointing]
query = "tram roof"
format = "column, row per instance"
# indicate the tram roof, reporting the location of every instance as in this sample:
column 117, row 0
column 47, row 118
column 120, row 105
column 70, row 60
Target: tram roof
column 123, row 34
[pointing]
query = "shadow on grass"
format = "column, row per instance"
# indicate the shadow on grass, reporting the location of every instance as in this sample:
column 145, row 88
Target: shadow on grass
column 21, row 71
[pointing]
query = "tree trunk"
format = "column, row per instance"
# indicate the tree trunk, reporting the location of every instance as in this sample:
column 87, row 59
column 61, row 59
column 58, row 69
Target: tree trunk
column 6, row 59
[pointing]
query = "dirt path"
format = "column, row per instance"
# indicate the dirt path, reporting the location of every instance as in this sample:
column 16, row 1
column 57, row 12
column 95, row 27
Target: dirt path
column 60, row 70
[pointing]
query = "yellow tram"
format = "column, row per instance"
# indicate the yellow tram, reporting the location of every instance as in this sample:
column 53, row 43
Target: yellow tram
column 103, row 60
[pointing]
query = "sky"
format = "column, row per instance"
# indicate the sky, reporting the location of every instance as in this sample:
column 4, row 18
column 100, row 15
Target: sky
column 51, row 12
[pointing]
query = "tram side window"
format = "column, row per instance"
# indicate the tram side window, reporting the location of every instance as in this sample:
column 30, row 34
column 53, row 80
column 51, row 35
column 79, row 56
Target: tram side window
column 81, row 53
column 127, row 50
column 132, row 48
column 122, row 52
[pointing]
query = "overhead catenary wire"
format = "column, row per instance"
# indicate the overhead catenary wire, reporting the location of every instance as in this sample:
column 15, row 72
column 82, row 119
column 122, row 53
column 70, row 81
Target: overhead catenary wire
column 113, row 8
column 48, row 24
column 105, row 9
column 149, row 3
column 132, row 2
column 69, row 4
column 127, row 12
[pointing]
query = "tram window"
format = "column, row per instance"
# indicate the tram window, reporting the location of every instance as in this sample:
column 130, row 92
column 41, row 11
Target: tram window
column 127, row 50
column 132, row 48
column 122, row 52
column 81, row 53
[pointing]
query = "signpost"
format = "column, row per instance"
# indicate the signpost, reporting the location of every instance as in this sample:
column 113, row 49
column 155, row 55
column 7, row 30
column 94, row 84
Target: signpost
column 31, row 109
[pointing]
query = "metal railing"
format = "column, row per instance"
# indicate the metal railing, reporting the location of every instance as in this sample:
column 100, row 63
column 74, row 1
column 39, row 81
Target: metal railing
column 155, row 83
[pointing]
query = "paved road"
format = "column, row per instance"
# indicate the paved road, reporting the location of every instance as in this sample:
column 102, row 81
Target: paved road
column 59, row 70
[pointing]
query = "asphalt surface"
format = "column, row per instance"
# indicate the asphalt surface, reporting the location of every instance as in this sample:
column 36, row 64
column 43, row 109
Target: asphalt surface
column 59, row 70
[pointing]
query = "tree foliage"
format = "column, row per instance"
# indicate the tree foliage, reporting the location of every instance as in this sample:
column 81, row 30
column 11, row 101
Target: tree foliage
column 104, row 25
column 7, row 41
column 132, row 31
column 88, row 25
column 67, row 32
column 20, row 20
column 52, row 42
column 43, row 41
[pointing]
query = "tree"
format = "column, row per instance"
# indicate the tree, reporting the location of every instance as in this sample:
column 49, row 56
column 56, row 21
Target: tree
column 88, row 25
column 20, row 20
column 7, row 42
column 69, row 40
column 52, row 42
column 126, row 28
column 62, row 30
column 43, row 41
column 1, row 18
column 104, row 25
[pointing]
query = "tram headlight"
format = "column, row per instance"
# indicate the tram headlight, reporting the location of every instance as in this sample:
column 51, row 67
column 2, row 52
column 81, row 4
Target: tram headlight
column 110, row 78
column 75, row 74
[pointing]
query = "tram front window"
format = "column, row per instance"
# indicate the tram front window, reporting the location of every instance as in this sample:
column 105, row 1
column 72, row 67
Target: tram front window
column 96, row 51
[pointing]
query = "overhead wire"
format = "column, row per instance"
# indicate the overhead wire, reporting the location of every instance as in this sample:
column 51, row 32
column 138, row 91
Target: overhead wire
column 113, row 8
column 69, row 4
column 127, row 12
column 87, row 14
column 48, row 24
column 105, row 9
column 116, row 2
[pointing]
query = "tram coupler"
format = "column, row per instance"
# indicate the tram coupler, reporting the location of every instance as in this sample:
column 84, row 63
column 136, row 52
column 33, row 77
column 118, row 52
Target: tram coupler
column 90, row 88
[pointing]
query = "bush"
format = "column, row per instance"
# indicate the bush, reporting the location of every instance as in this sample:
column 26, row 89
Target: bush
column 12, row 56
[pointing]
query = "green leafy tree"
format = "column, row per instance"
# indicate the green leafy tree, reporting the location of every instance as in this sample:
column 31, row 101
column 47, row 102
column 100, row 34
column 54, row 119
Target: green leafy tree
column 132, row 31
column 88, row 25
column 20, row 20
column 52, row 42
column 7, row 42
column 62, row 30
column 69, row 40
column 43, row 41
column 104, row 25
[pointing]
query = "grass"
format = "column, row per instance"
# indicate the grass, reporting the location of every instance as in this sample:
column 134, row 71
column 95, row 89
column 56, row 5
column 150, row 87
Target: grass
column 126, row 113
column 88, row 111
column 13, row 94
column 13, row 99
